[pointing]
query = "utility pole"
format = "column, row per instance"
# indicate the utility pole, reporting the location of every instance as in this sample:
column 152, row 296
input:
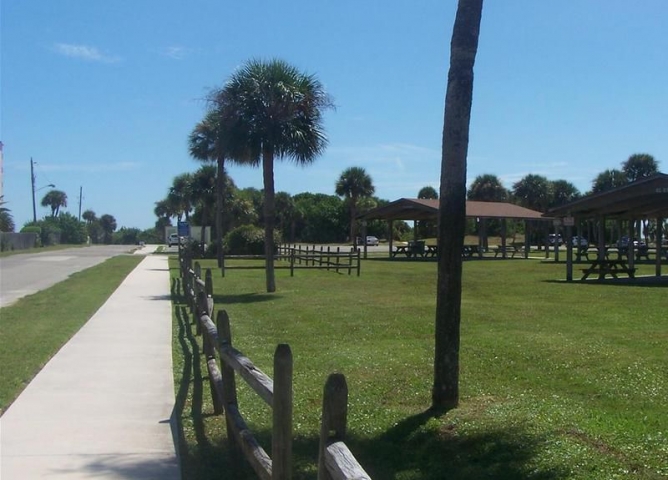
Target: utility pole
column 32, row 180
column 80, row 197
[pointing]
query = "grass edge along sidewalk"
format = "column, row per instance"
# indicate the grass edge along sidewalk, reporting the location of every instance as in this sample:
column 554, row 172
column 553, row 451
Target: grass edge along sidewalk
column 34, row 328
column 558, row 380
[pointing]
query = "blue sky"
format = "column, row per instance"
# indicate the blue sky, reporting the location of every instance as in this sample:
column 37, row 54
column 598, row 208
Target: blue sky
column 102, row 95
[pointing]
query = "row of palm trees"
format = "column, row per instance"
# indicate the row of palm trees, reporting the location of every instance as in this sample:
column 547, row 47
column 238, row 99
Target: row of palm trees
column 267, row 110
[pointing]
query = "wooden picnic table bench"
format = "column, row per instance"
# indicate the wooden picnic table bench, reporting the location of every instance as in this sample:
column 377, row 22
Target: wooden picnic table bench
column 512, row 249
column 608, row 267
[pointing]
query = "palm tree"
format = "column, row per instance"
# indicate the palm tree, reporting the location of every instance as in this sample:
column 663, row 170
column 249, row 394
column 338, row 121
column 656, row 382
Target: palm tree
column 272, row 110
column 607, row 180
column 89, row 216
column 428, row 192
column 452, row 204
column 353, row 184
column 639, row 165
column 54, row 199
column 487, row 188
column 533, row 191
column 207, row 142
column 563, row 192
column 6, row 220
column 203, row 190
column 108, row 225
column 179, row 197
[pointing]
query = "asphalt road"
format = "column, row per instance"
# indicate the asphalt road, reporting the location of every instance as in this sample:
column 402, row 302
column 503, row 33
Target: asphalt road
column 27, row 273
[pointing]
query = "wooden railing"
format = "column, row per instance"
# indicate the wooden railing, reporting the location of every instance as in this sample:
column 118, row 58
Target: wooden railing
column 302, row 257
column 335, row 461
column 327, row 258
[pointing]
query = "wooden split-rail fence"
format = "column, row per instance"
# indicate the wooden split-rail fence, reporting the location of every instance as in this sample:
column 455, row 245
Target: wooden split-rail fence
column 335, row 461
column 301, row 257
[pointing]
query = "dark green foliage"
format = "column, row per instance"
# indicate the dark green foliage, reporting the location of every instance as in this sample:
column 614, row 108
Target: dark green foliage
column 34, row 229
column 127, row 236
column 247, row 240
column 323, row 218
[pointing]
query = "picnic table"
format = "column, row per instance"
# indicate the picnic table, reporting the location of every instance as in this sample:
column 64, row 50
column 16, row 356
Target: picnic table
column 412, row 249
column 512, row 249
column 470, row 250
column 604, row 267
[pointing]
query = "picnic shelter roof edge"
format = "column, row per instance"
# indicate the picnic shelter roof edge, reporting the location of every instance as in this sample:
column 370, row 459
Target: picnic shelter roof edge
column 427, row 209
column 644, row 198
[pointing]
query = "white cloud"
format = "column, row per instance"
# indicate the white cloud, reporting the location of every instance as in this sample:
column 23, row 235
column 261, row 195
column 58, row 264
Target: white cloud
column 84, row 52
column 176, row 52
column 92, row 167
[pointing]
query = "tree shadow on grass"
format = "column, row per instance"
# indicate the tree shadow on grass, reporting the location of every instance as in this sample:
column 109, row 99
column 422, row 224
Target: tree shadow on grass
column 411, row 450
column 244, row 298
column 638, row 282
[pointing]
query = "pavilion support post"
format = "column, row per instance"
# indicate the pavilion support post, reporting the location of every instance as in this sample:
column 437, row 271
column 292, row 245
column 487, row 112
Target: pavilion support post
column 484, row 241
column 601, row 238
column 527, row 236
column 659, row 238
column 579, row 234
column 503, row 236
column 630, row 250
column 390, row 236
column 569, row 253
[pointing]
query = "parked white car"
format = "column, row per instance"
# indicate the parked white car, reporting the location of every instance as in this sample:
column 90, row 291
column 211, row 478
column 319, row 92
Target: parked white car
column 579, row 241
column 174, row 239
column 370, row 240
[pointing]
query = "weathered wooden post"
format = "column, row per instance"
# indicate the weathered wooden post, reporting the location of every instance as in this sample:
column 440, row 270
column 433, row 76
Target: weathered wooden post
column 328, row 257
column 334, row 418
column 281, row 443
column 338, row 258
column 292, row 263
column 227, row 372
column 208, row 282
column 359, row 264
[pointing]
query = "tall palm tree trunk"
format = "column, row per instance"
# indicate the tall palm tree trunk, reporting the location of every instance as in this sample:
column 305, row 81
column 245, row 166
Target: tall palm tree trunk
column 220, row 186
column 268, row 174
column 353, row 212
column 452, row 203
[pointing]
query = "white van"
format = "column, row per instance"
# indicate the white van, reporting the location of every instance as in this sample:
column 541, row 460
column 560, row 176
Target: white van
column 173, row 239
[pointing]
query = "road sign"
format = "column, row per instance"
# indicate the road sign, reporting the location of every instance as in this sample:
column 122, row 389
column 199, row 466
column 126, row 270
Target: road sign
column 183, row 229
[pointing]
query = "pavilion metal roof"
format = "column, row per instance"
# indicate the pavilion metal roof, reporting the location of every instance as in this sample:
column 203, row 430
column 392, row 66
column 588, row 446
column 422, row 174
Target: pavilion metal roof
column 424, row 209
column 645, row 198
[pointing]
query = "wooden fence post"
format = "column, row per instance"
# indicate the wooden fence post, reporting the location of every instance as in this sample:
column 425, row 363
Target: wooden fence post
column 359, row 264
column 227, row 372
column 292, row 262
column 338, row 258
column 281, row 443
column 208, row 283
column 334, row 417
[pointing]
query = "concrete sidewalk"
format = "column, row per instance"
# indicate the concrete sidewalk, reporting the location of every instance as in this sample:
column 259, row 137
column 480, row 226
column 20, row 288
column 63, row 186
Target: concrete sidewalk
column 102, row 407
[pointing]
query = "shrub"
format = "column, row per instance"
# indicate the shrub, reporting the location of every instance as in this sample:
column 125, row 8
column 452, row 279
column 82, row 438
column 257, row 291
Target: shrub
column 247, row 240
column 34, row 229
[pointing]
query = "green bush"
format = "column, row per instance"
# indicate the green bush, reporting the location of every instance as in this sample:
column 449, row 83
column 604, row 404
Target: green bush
column 34, row 229
column 247, row 240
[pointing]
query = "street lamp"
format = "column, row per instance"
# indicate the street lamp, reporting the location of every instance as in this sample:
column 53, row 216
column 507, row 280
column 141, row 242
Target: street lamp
column 32, row 180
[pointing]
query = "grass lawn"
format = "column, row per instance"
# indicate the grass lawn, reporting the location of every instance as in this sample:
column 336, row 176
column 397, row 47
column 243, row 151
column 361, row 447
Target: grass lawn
column 33, row 329
column 558, row 380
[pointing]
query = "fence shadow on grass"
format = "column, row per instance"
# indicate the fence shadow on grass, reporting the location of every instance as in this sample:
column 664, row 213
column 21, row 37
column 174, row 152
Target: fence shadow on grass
column 211, row 455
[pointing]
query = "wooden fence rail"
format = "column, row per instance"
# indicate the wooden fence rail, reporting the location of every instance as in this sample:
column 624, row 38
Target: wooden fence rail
column 336, row 460
column 303, row 257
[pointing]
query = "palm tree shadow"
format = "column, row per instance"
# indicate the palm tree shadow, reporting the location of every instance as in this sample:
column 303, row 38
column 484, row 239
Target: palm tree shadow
column 244, row 298
column 410, row 449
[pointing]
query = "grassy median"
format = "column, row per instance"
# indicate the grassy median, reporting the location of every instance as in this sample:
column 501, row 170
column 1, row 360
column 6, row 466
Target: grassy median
column 558, row 380
column 33, row 329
